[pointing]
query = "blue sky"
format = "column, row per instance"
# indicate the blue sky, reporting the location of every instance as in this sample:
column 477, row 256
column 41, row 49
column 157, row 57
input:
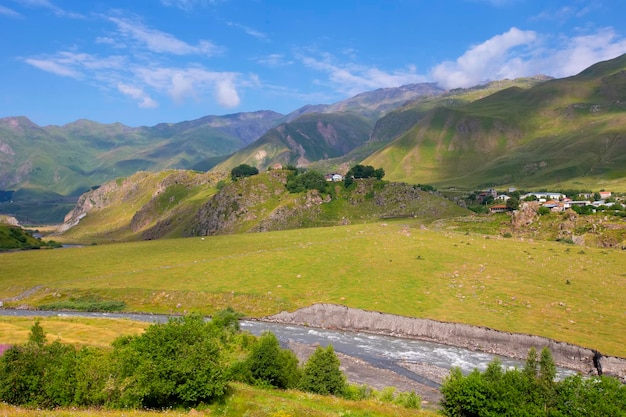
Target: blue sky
column 142, row 62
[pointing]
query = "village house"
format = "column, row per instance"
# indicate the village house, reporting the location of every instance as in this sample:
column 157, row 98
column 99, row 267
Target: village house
column 543, row 197
column 498, row 208
column 334, row 177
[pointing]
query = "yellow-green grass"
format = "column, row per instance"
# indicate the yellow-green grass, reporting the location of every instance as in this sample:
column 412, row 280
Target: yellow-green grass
column 506, row 284
column 245, row 400
column 77, row 331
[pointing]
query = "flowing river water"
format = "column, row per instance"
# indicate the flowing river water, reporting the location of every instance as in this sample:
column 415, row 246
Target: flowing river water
column 380, row 351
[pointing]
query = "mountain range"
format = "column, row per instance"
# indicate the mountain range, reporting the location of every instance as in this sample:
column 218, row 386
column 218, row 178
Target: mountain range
column 534, row 132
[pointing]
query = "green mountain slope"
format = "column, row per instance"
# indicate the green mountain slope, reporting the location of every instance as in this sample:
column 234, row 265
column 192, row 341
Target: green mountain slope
column 188, row 203
column 48, row 164
column 568, row 132
column 309, row 138
column 399, row 120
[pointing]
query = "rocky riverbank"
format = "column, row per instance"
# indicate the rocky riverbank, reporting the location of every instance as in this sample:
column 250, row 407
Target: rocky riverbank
column 514, row 345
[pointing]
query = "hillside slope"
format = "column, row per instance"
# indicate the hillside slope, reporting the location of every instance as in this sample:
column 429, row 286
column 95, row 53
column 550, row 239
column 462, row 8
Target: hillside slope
column 187, row 203
column 566, row 132
column 310, row 137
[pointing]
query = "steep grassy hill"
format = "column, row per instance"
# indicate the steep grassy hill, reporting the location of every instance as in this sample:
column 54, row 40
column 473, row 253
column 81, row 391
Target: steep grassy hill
column 310, row 137
column 397, row 122
column 568, row 132
column 146, row 205
column 187, row 203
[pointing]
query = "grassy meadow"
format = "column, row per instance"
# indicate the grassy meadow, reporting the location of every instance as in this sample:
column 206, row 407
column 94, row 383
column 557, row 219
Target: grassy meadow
column 569, row 293
column 246, row 400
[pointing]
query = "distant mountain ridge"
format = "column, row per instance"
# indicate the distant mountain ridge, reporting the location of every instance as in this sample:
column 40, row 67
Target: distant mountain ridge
column 46, row 165
column 532, row 132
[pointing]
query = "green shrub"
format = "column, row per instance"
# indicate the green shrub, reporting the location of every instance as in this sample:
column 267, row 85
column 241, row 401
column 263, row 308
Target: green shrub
column 321, row 373
column 270, row 365
column 178, row 363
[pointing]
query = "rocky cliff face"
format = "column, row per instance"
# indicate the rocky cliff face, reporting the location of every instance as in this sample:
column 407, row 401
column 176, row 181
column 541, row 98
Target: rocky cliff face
column 484, row 339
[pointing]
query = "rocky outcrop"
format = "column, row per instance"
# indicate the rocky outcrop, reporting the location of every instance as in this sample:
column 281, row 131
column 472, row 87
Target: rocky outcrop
column 515, row 345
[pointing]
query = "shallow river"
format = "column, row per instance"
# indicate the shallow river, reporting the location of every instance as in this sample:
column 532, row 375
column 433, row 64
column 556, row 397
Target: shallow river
column 380, row 351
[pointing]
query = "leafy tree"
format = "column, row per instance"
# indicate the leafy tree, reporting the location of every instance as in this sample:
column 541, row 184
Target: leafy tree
column 309, row 180
column 176, row 363
column 243, row 170
column 365, row 171
column 227, row 319
column 38, row 374
column 37, row 336
column 321, row 373
column 271, row 365
column 512, row 203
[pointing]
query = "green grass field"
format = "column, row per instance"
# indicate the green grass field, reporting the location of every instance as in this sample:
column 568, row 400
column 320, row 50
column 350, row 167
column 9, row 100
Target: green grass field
column 249, row 401
column 506, row 284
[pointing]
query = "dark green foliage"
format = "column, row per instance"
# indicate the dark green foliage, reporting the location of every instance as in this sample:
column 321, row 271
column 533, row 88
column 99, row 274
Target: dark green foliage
column 309, row 180
column 542, row 211
column 268, row 364
column 583, row 209
column 321, row 373
column 426, row 187
column 243, row 170
column 37, row 336
column 12, row 237
column 530, row 392
column 38, row 374
column 93, row 382
column 590, row 397
column 512, row 203
column 87, row 303
column 365, row 171
column 227, row 319
column 177, row 363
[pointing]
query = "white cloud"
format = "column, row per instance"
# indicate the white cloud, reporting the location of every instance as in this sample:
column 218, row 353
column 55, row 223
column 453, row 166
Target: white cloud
column 274, row 60
column 226, row 93
column 572, row 55
column 5, row 11
column 519, row 53
column 352, row 79
column 157, row 41
column 188, row 5
column 496, row 58
column 252, row 32
column 54, row 67
column 183, row 83
column 46, row 4
column 71, row 64
column 145, row 101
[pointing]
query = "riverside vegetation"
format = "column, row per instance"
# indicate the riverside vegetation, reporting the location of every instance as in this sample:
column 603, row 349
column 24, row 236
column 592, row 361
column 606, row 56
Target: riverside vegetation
column 186, row 362
column 214, row 367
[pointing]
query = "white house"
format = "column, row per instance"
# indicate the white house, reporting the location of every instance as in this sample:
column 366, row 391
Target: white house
column 542, row 197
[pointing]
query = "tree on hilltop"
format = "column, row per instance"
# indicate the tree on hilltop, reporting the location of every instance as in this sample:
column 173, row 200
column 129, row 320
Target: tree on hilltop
column 243, row 170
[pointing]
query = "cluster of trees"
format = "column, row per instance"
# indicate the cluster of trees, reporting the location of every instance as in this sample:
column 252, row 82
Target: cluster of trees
column 182, row 363
column 363, row 171
column 243, row 170
column 531, row 391
column 299, row 181
column 302, row 180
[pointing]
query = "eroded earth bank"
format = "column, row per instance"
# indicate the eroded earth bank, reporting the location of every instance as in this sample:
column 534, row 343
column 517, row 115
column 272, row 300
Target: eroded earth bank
column 514, row 345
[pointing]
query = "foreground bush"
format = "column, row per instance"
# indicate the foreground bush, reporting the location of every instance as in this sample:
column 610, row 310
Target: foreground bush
column 321, row 374
column 531, row 392
column 177, row 363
